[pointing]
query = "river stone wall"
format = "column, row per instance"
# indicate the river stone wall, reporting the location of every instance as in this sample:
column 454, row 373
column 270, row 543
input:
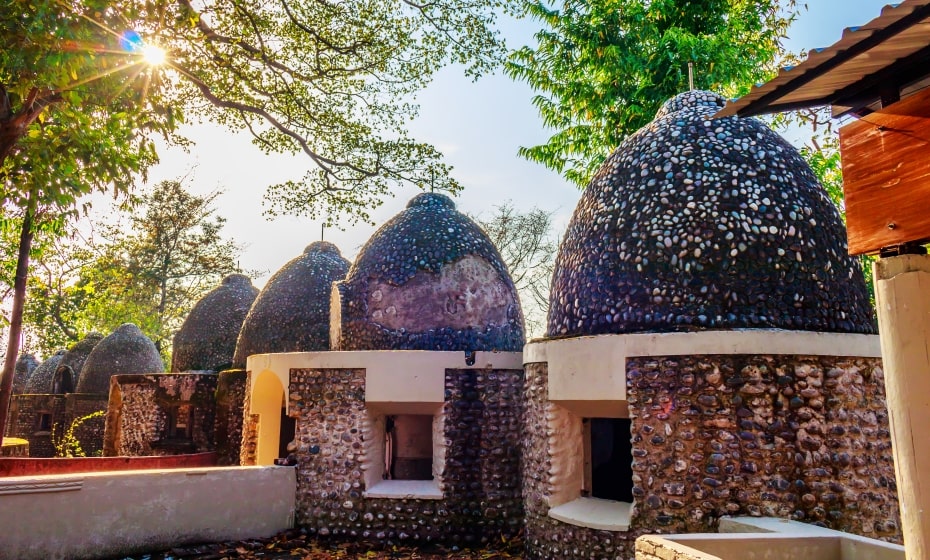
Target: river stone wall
column 248, row 451
column 89, row 432
column 137, row 422
column 797, row 437
column 24, row 420
column 480, row 478
column 230, row 397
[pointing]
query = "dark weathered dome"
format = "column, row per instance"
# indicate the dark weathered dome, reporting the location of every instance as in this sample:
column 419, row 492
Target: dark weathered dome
column 429, row 279
column 207, row 339
column 125, row 351
column 291, row 313
column 25, row 365
column 40, row 382
column 701, row 223
column 71, row 364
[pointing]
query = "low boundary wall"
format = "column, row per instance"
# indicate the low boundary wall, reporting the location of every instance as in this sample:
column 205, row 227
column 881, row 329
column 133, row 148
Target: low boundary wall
column 101, row 515
column 34, row 466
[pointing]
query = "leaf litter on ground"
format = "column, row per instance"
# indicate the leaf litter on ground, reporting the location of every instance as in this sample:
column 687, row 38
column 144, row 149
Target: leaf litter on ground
column 297, row 544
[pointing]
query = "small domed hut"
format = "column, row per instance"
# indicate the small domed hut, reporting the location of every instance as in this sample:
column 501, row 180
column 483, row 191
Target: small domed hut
column 25, row 365
column 71, row 364
column 428, row 279
column 291, row 313
column 710, row 351
column 207, row 339
column 413, row 427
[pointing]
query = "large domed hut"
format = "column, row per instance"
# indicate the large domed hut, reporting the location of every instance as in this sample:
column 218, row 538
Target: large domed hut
column 207, row 339
column 126, row 350
column 413, row 426
column 710, row 350
column 25, row 365
column 291, row 313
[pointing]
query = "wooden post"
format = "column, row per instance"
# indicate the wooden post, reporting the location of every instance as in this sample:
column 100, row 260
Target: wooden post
column 902, row 293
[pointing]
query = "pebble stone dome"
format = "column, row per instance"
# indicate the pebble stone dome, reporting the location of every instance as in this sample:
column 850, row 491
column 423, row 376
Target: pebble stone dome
column 430, row 279
column 207, row 339
column 75, row 357
column 291, row 313
column 40, row 382
column 694, row 223
column 125, row 351
column 25, row 365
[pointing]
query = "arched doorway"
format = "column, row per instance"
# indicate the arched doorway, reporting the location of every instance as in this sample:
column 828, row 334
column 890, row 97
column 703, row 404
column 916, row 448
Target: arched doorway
column 268, row 398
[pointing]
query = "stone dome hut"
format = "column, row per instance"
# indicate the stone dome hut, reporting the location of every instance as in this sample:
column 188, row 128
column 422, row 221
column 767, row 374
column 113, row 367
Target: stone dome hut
column 207, row 339
column 71, row 364
column 428, row 279
column 124, row 351
column 694, row 223
column 733, row 371
column 413, row 427
column 25, row 365
column 291, row 313
column 40, row 382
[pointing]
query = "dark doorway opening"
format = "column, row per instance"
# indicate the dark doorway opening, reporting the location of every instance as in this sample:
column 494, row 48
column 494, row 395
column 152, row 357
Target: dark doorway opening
column 609, row 458
column 287, row 433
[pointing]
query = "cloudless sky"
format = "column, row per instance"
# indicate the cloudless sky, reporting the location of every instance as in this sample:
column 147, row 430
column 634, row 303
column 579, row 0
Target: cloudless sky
column 477, row 125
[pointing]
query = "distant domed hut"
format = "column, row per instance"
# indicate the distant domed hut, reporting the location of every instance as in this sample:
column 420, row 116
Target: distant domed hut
column 71, row 364
column 291, row 313
column 207, row 339
column 124, row 351
column 25, row 365
column 714, row 352
column 414, row 429
column 428, row 279
column 40, row 382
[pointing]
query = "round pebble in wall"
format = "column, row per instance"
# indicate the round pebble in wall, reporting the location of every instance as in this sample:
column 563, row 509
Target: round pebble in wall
column 702, row 223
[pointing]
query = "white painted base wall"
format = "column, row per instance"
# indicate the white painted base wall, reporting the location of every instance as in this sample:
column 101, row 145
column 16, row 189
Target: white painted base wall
column 98, row 515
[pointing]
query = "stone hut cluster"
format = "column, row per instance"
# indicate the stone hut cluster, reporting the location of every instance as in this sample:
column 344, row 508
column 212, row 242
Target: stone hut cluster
column 710, row 351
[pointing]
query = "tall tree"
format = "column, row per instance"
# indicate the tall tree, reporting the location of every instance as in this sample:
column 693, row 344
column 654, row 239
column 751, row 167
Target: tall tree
column 149, row 271
column 84, row 85
column 528, row 247
column 603, row 67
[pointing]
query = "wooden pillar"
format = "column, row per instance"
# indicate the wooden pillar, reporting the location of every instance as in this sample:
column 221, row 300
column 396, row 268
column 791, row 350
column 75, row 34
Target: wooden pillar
column 902, row 292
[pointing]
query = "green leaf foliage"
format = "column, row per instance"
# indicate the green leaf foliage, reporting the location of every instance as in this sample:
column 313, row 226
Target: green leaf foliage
column 150, row 268
column 602, row 68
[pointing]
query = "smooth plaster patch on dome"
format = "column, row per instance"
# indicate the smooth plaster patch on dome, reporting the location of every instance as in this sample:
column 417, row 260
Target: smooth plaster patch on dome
column 207, row 339
column 40, row 382
column 127, row 350
column 428, row 279
column 291, row 313
column 694, row 223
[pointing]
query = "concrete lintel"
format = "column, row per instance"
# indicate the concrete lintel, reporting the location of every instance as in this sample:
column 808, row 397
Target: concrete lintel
column 385, row 366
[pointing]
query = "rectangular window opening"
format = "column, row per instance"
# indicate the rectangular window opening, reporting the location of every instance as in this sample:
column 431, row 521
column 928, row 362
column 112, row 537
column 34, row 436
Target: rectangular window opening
column 608, row 459
column 45, row 422
column 409, row 447
column 180, row 422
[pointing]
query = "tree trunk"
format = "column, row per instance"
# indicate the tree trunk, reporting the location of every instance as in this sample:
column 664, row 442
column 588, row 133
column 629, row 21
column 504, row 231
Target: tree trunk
column 16, row 318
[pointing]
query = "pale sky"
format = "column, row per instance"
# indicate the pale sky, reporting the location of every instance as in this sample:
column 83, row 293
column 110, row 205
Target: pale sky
column 477, row 125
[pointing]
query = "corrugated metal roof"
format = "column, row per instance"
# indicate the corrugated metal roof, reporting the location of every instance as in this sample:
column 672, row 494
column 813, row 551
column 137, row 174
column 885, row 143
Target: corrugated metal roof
column 902, row 30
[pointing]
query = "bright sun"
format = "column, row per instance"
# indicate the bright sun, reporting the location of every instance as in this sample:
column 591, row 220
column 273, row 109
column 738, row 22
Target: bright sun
column 154, row 55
